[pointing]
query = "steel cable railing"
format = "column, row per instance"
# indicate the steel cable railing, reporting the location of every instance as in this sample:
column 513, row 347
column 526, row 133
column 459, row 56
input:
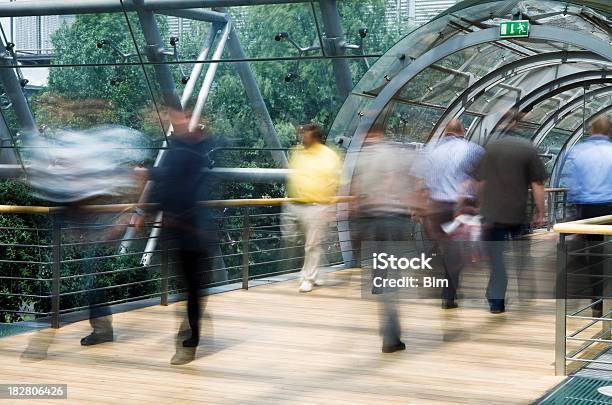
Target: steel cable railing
column 70, row 262
column 583, row 324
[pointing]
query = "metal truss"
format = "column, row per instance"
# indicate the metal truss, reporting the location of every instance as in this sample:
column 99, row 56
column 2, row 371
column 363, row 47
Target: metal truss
column 69, row 7
column 565, row 111
column 551, row 89
column 462, row 103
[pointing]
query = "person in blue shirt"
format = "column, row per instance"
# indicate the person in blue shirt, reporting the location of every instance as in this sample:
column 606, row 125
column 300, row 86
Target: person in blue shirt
column 447, row 173
column 589, row 165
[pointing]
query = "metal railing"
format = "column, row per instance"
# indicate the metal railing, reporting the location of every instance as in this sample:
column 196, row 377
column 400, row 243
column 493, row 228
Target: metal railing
column 558, row 209
column 557, row 206
column 60, row 262
column 584, row 283
column 52, row 262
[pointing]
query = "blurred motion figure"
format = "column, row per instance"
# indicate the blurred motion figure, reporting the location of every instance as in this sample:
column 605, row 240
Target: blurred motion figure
column 179, row 185
column 447, row 172
column 76, row 168
column 313, row 181
column 510, row 167
column 384, row 193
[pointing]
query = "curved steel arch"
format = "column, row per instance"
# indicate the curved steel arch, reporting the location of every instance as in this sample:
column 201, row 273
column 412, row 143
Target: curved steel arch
column 469, row 95
column 566, row 110
column 569, row 143
column 552, row 88
column 453, row 45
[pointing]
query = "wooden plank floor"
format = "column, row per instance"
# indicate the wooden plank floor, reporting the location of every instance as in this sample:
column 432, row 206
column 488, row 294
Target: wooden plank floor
column 272, row 345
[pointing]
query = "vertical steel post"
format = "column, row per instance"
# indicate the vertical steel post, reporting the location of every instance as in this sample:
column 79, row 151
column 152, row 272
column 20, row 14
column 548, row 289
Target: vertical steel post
column 607, row 287
column 14, row 92
column 257, row 102
column 561, row 304
column 552, row 204
column 246, row 238
column 335, row 46
column 209, row 77
column 207, row 43
column 56, row 236
column 164, row 274
column 154, row 52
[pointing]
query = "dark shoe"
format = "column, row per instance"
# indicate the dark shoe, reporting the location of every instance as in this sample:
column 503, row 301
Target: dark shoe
column 395, row 347
column 597, row 310
column 497, row 306
column 97, row 338
column 193, row 341
column 449, row 304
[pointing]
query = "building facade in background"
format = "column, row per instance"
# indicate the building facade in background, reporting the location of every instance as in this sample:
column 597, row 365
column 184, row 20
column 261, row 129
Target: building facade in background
column 33, row 34
column 415, row 11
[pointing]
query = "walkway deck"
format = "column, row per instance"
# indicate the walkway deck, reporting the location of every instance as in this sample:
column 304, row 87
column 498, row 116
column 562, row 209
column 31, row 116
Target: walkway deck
column 273, row 345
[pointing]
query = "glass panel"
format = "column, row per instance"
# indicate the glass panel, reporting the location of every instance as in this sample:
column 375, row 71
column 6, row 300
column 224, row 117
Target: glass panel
column 423, row 39
column 258, row 26
column 348, row 119
column 70, row 40
column 409, row 123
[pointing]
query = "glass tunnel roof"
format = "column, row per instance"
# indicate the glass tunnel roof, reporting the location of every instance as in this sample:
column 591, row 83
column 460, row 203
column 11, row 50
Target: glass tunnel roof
column 481, row 83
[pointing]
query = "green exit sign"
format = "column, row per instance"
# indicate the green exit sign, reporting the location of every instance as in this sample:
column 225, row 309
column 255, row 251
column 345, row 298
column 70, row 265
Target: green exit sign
column 514, row 29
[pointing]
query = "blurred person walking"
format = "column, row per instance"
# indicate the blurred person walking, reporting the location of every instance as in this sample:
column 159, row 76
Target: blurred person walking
column 314, row 181
column 510, row 167
column 382, row 209
column 446, row 171
column 589, row 165
column 179, row 185
column 76, row 168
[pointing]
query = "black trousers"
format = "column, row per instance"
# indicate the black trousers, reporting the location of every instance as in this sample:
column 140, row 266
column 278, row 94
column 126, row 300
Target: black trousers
column 586, row 211
column 191, row 275
column 449, row 249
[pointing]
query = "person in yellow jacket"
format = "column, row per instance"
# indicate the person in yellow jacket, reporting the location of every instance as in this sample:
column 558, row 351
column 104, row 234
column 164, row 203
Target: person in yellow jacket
column 315, row 173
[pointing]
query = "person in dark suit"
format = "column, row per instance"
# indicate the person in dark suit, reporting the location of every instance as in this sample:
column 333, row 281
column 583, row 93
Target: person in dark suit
column 179, row 187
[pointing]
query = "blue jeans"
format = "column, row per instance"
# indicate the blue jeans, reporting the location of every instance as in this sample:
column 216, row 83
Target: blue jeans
column 498, row 237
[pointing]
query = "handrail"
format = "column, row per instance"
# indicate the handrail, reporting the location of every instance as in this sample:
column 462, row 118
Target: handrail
column 260, row 246
column 590, row 226
column 21, row 209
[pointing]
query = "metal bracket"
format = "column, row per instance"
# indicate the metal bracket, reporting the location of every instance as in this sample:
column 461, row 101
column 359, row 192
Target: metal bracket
column 122, row 55
column 175, row 55
column 302, row 50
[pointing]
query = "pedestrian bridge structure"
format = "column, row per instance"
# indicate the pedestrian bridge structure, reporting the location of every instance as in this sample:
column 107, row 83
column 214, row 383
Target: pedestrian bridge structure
column 262, row 341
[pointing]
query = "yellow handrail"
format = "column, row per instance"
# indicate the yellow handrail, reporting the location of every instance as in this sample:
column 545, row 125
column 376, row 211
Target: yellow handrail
column 20, row 209
column 590, row 226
